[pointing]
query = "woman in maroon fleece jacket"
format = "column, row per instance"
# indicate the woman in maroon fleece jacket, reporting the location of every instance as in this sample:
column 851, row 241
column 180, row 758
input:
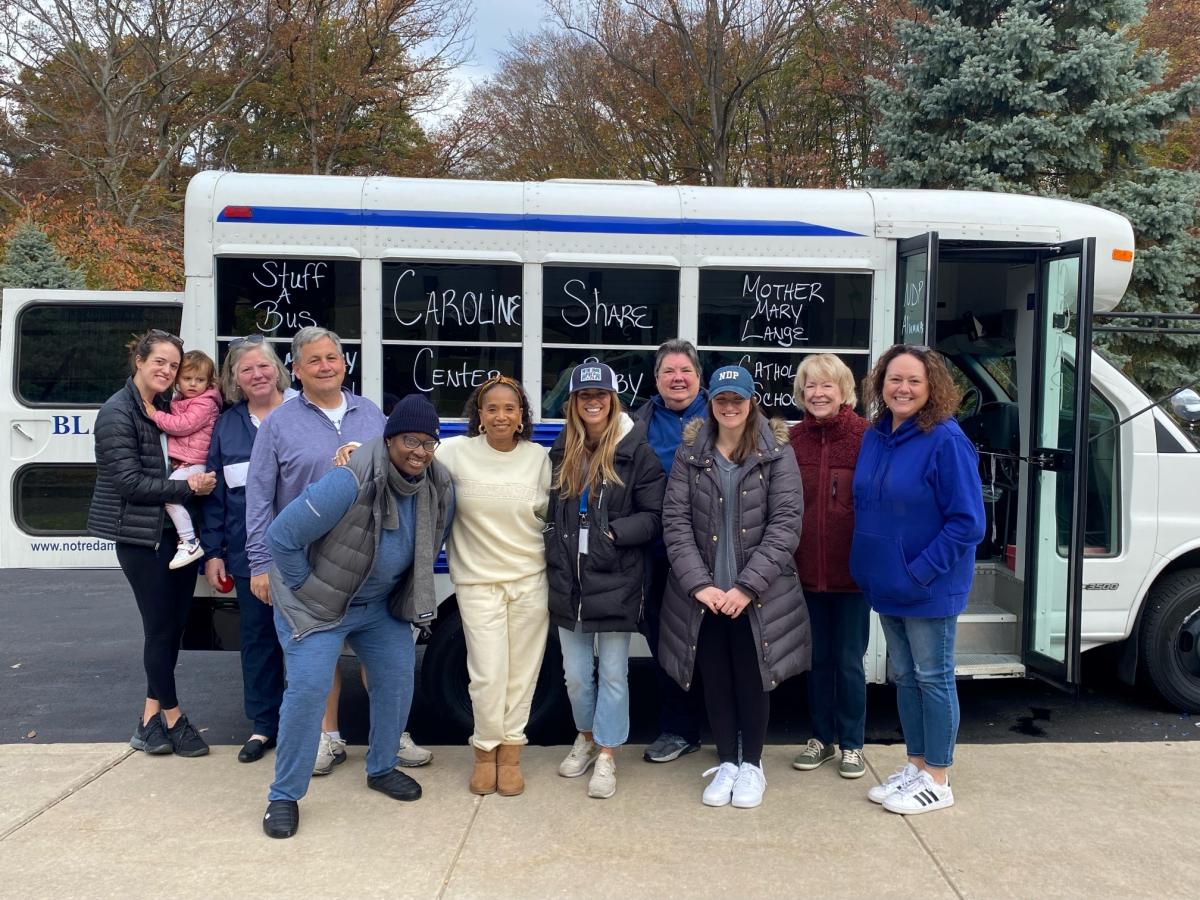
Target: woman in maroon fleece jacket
column 826, row 443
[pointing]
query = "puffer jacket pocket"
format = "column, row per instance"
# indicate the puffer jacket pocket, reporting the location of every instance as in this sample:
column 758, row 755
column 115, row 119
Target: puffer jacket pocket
column 604, row 556
column 878, row 565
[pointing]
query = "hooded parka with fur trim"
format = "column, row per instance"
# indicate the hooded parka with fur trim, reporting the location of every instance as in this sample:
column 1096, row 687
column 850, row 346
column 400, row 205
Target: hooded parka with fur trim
column 768, row 512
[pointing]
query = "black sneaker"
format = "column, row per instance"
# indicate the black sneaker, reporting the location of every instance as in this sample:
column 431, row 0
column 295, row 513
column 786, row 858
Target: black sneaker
column 667, row 747
column 151, row 737
column 185, row 740
column 282, row 818
column 395, row 784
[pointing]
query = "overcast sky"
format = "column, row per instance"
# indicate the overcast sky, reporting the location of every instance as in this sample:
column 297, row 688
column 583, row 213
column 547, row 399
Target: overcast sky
column 494, row 21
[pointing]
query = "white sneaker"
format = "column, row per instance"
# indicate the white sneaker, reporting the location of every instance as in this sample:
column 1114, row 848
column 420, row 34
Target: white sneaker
column 579, row 760
column 330, row 753
column 720, row 790
column 897, row 780
column 603, row 783
column 749, row 787
column 185, row 554
column 411, row 755
column 921, row 795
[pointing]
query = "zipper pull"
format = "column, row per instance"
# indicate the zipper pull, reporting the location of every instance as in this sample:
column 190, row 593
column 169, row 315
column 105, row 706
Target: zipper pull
column 834, row 487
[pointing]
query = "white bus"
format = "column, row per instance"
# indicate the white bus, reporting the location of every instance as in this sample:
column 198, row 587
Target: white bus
column 1093, row 533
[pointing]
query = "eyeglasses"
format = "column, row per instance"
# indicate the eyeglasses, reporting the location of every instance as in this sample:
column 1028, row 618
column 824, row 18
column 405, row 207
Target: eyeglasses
column 248, row 339
column 412, row 442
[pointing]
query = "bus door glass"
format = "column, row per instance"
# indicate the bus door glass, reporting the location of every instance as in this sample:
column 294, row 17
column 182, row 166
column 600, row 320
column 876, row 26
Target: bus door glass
column 916, row 289
column 1057, row 509
column 66, row 354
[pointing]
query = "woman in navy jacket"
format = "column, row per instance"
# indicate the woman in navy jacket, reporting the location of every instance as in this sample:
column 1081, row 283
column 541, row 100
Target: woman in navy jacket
column 255, row 381
column 918, row 507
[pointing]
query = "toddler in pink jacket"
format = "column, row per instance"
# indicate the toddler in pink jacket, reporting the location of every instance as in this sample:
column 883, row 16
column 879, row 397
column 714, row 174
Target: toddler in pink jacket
column 189, row 428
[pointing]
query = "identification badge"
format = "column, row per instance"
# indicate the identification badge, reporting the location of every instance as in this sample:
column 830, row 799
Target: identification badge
column 583, row 540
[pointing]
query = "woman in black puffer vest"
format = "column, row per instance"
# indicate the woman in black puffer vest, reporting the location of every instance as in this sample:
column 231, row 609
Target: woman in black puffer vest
column 605, row 512
column 132, row 486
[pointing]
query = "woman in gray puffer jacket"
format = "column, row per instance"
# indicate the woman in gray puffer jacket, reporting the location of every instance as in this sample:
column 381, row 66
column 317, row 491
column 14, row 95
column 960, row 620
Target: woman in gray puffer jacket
column 734, row 607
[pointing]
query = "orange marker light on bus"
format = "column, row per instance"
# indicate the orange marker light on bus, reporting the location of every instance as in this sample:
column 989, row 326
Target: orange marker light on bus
column 1123, row 255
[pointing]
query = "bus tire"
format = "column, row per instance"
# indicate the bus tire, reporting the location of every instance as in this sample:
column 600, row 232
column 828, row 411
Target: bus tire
column 1170, row 639
column 445, row 684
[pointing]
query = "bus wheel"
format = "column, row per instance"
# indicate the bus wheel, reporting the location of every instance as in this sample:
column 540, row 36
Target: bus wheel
column 1170, row 639
column 444, row 680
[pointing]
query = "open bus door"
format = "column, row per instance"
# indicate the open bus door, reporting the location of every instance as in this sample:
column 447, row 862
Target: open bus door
column 65, row 354
column 1058, row 461
column 916, row 289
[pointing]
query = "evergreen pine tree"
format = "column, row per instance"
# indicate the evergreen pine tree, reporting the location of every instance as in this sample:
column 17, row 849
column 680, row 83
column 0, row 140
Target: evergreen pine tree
column 32, row 262
column 1054, row 97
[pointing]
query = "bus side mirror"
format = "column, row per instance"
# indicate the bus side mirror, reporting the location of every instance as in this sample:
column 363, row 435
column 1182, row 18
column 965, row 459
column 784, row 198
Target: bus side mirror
column 1186, row 405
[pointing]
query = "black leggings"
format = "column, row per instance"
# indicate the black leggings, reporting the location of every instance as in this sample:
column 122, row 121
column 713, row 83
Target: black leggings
column 733, row 691
column 164, row 598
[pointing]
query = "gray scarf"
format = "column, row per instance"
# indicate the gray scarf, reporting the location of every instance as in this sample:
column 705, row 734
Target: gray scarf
column 427, row 529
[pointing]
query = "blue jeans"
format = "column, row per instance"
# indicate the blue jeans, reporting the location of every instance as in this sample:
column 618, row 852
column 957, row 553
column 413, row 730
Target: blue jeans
column 385, row 648
column 262, row 661
column 599, row 703
column 921, row 658
column 837, row 684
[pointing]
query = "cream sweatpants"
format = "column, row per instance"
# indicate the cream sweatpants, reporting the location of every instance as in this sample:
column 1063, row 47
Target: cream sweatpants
column 505, row 626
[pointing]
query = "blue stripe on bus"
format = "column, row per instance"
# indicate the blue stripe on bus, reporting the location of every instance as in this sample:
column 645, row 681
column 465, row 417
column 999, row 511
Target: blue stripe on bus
column 408, row 218
column 544, row 433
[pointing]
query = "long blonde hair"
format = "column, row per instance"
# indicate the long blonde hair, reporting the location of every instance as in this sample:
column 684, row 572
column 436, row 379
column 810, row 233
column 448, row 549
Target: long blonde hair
column 580, row 467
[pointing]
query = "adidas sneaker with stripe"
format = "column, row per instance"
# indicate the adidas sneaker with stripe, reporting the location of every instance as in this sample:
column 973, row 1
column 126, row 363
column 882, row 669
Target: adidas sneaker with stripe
column 921, row 795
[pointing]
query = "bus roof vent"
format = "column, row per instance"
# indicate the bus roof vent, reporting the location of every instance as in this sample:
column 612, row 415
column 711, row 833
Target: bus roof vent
column 640, row 181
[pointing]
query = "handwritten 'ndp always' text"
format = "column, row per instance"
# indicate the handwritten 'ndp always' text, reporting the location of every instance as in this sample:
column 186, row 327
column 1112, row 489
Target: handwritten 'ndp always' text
column 779, row 308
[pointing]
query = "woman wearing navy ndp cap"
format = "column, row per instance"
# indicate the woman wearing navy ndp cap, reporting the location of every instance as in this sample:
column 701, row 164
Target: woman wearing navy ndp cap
column 918, row 514
column 734, row 608
column 604, row 515
column 352, row 560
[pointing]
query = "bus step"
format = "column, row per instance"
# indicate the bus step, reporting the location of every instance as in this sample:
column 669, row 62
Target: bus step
column 988, row 665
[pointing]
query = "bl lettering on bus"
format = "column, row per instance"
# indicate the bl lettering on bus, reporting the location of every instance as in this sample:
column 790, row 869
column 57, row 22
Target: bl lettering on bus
column 68, row 425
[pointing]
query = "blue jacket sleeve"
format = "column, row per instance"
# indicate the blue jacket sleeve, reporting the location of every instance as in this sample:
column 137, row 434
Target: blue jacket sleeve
column 260, row 497
column 309, row 517
column 212, row 509
column 959, row 496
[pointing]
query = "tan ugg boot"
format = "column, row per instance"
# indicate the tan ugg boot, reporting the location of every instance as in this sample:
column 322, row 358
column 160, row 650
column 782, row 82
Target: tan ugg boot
column 483, row 778
column 509, row 781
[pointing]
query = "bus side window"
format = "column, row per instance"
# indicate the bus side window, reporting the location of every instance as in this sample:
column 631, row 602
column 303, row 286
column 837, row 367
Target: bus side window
column 615, row 315
column 74, row 354
column 767, row 320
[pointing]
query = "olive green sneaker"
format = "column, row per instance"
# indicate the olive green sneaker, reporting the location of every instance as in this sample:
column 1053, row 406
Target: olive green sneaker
column 852, row 764
column 813, row 755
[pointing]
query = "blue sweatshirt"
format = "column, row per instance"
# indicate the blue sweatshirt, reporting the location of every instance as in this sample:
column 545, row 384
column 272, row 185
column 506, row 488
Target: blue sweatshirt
column 664, row 432
column 918, row 515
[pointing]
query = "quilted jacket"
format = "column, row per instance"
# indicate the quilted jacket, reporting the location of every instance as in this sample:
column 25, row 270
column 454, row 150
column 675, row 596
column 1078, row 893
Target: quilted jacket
column 767, row 518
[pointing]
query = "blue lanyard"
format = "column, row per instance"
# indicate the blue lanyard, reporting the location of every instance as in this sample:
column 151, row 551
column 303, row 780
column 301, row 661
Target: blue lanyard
column 583, row 501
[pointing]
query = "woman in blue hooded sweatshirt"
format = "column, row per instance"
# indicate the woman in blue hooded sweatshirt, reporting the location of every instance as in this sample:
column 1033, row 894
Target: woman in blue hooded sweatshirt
column 918, row 508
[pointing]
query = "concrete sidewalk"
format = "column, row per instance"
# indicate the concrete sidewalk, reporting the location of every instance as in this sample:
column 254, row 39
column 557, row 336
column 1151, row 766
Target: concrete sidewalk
column 1054, row 820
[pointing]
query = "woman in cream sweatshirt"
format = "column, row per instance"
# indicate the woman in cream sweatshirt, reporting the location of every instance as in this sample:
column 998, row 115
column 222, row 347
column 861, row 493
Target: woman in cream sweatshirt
column 498, row 566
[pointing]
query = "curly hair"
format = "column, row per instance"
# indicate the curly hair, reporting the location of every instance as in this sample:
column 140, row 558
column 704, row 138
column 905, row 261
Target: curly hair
column 471, row 410
column 944, row 398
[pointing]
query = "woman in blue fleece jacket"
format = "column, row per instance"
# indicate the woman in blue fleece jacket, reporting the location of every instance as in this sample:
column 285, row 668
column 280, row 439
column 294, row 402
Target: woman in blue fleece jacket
column 918, row 514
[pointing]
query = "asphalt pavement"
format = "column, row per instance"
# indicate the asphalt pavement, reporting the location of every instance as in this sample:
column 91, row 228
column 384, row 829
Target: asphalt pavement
column 70, row 672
